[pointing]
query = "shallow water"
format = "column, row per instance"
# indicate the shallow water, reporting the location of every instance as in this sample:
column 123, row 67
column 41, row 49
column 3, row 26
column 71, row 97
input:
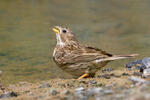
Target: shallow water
column 27, row 43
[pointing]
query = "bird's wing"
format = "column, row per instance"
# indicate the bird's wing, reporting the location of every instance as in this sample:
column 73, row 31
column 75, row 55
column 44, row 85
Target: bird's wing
column 85, row 54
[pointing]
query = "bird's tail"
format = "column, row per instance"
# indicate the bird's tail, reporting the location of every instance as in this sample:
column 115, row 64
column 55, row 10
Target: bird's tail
column 115, row 57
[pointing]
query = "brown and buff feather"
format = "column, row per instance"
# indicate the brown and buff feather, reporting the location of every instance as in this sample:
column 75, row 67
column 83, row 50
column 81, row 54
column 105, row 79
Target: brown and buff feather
column 77, row 59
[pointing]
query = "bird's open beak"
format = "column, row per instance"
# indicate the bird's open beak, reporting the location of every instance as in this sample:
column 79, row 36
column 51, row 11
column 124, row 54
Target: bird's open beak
column 56, row 30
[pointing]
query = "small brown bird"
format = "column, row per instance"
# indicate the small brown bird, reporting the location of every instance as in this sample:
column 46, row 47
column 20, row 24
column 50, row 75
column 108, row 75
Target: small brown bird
column 78, row 60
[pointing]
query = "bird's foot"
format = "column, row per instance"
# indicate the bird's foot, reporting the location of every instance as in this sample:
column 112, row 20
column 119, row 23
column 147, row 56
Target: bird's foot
column 83, row 76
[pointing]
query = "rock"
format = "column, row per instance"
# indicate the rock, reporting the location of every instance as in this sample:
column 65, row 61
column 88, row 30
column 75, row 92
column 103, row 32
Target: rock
column 108, row 91
column 108, row 86
column 131, row 64
column 24, row 83
column 45, row 85
column 137, row 80
column 146, row 62
column 92, row 91
column 146, row 72
column 8, row 95
column 107, row 76
column 79, row 89
column 93, row 82
column 139, row 67
column 30, row 94
column 53, row 92
column 107, row 70
column 80, row 94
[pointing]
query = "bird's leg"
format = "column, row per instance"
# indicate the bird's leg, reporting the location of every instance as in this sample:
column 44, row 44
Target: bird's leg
column 84, row 75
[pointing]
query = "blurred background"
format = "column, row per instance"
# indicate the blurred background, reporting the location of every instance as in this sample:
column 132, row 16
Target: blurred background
column 27, row 41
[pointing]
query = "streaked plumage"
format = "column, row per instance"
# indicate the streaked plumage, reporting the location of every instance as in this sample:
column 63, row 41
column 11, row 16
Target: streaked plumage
column 78, row 59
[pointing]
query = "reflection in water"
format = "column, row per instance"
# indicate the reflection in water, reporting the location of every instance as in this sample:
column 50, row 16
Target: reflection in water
column 27, row 43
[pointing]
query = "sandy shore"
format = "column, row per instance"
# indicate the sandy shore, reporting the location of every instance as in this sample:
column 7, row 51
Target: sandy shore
column 108, row 85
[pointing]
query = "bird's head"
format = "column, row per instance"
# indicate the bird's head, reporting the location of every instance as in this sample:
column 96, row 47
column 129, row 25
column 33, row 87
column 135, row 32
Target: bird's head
column 64, row 35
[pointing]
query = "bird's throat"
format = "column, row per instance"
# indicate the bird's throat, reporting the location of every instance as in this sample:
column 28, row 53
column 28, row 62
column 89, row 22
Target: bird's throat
column 59, row 40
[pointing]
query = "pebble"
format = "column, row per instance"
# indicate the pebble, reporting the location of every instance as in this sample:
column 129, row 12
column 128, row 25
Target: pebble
column 107, row 91
column 80, row 93
column 8, row 95
column 53, row 92
column 146, row 72
column 93, row 82
column 108, row 86
column 136, row 80
column 30, row 94
column 146, row 62
column 140, row 64
column 106, row 76
column 45, row 85
column 131, row 64
column 92, row 91
column 139, row 67
column 79, row 89
column 107, row 70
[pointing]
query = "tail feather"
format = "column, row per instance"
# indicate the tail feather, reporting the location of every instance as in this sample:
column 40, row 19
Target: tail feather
column 115, row 57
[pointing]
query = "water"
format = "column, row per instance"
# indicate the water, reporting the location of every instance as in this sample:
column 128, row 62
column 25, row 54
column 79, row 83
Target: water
column 27, row 43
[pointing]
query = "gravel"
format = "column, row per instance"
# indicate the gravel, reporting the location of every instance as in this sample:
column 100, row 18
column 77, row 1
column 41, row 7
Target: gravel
column 8, row 95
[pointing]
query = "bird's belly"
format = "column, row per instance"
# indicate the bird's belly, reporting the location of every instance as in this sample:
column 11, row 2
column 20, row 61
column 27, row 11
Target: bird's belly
column 82, row 68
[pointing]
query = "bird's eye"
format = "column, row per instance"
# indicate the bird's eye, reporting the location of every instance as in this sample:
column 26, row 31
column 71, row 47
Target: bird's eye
column 64, row 31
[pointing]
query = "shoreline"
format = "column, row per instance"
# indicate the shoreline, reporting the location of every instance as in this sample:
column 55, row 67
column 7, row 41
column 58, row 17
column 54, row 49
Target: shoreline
column 108, row 85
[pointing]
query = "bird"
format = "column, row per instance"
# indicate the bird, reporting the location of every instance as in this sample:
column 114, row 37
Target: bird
column 79, row 60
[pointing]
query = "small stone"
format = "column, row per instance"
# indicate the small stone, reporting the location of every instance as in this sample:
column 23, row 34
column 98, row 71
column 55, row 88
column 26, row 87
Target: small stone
column 108, row 86
column 8, row 95
column 129, row 65
column 146, row 72
column 93, row 82
column 80, row 92
column 139, row 61
column 30, row 94
column 134, row 63
column 53, row 92
column 79, row 89
column 92, row 91
column 138, row 67
column 45, row 85
column 146, row 62
column 24, row 83
column 107, row 76
column 136, row 80
column 107, row 70
column 108, row 91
